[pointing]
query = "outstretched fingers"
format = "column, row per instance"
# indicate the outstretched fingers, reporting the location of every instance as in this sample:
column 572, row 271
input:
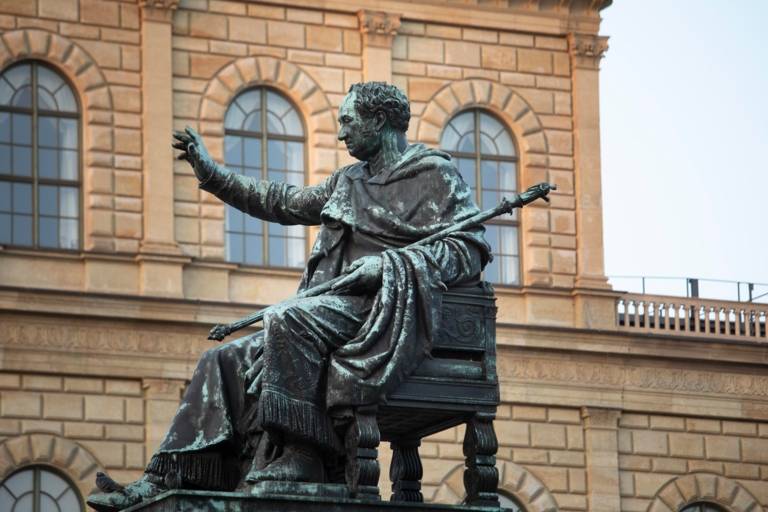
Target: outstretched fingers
column 182, row 137
column 192, row 134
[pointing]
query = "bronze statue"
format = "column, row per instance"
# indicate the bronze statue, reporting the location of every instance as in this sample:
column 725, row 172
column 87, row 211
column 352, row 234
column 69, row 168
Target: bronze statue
column 274, row 406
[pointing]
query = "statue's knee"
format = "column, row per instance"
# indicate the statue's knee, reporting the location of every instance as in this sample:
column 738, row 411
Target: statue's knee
column 276, row 317
column 214, row 354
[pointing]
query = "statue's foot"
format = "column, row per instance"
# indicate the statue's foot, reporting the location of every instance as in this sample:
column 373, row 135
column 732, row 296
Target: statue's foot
column 298, row 463
column 115, row 497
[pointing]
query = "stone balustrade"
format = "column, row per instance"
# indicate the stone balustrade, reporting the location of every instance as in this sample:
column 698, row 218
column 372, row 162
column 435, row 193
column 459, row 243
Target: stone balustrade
column 681, row 316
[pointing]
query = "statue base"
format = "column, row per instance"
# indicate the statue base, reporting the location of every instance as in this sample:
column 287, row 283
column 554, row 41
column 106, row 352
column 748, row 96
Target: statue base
column 303, row 498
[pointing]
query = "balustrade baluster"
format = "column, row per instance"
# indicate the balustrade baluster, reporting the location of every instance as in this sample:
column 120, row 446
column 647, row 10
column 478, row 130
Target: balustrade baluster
column 694, row 317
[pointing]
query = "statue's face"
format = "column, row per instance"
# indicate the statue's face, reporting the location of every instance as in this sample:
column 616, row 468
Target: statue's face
column 360, row 135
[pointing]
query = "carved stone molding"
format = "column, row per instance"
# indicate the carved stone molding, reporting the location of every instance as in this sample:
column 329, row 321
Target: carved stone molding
column 88, row 338
column 378, row 28
column 637, row 377
column 587, row 50
column 158, row 10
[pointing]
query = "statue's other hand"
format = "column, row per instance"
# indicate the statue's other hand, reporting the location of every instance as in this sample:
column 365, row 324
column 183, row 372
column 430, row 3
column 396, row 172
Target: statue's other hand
column 193, row 151
column 364, row 274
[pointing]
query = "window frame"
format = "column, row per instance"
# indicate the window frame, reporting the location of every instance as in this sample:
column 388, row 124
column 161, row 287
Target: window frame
column 699, row 505
column 36, row 484
column 477, row 157
column 34, row 179
column 264, row 136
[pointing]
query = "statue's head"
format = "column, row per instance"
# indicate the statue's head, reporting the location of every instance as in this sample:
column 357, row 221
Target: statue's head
column 368, row 112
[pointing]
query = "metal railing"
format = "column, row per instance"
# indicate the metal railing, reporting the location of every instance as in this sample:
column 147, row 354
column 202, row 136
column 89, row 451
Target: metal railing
column 692, row 317
column 711, row 289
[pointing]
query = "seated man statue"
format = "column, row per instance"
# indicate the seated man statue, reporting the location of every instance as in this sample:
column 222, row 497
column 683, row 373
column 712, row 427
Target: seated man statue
column 275, row 405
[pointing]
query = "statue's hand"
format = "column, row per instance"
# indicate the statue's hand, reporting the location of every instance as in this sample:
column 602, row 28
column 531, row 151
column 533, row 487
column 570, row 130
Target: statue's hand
column 364, row 274
column 193, row 151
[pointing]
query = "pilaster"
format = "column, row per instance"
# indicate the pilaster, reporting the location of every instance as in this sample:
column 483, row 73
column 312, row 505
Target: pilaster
column 157, row 125
column 378, row 30
column 586, row 52
column 160, row 272
column 601, row 445
column 161, row 400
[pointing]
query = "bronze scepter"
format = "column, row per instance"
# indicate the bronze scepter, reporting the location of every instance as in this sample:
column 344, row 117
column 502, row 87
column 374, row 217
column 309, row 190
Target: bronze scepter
column 221, row 331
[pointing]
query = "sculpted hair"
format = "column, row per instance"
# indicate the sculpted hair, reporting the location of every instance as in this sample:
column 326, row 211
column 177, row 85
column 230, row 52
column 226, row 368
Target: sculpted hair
column 374, row 96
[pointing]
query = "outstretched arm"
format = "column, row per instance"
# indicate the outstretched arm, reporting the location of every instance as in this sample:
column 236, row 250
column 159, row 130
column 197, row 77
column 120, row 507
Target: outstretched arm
column 268, row 200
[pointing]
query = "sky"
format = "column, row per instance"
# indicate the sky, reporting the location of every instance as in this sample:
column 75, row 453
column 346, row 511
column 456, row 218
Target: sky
column 684, row 135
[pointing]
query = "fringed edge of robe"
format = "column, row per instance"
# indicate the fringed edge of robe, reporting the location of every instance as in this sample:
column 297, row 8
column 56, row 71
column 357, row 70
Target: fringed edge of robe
column 302, row 419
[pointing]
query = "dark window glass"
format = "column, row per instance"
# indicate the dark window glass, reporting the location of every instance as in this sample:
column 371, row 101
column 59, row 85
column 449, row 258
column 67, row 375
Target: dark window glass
column 275, row 153
column 39, row 159
column 485, row 155
column 703, row 506
column 39, row 489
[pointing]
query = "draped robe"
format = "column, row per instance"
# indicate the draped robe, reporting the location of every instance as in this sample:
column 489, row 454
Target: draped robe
column 319, row 357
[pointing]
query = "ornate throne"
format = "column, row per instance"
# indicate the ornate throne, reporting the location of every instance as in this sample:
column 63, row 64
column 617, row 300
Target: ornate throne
column 458, row 384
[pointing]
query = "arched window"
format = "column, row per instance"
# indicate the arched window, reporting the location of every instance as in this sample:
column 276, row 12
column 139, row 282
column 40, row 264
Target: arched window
column 39, row 489
column 264, row 138
column 39, row 159
column 702, row 506
column 485, row 155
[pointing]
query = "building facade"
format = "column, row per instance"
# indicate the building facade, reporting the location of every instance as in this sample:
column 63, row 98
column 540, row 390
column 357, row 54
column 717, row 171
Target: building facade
column 114, row 265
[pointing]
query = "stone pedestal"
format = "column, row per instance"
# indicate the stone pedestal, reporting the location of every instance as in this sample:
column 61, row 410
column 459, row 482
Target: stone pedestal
column 321, row 500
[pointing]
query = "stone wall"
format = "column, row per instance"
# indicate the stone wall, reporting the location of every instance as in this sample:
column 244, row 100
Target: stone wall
column 104, row 416
column 655, row 450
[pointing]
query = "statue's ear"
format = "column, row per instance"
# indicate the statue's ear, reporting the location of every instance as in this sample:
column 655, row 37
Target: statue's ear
column 380, row 119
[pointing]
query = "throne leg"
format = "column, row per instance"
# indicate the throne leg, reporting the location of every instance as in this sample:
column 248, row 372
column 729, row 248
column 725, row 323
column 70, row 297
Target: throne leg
column 406, row 471
column 481, row 478
column 361, row 443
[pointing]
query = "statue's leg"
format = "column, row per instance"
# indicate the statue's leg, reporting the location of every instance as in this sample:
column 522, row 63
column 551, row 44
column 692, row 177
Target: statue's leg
column 203, row 442
column 300, row 336
column 206, row 437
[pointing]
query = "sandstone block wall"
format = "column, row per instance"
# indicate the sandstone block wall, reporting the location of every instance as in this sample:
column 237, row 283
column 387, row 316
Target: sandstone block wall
column 655, row 450
column 103, row 416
